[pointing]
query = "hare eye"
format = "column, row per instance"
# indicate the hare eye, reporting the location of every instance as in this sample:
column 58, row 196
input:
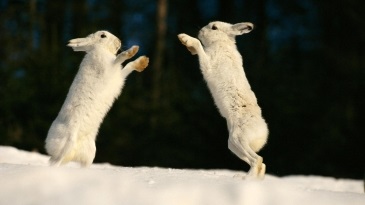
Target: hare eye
column 103, row 36
column 214, row 27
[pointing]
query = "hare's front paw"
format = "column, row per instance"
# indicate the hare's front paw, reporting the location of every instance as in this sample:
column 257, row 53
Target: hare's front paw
column 141, row 63
column 128, row 53
column 132, row 51
column 125, row 55
column 190, row 42
column 187, row 40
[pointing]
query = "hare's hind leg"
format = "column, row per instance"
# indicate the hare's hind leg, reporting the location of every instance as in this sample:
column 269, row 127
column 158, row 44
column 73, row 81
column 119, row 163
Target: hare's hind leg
column 62, row 148
column 244, row 152
column 87, row 151
column 258, row 169
column 262, row 171
column 125, row 55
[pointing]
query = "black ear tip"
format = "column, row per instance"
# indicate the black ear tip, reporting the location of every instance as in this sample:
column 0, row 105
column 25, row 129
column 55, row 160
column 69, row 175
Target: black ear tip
column 250, row 27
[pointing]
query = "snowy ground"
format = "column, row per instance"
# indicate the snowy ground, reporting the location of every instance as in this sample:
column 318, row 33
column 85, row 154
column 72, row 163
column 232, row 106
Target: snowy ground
column 26, row 178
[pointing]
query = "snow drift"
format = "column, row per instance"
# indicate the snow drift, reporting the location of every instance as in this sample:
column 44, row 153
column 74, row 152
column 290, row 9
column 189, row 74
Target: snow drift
column 26, row 178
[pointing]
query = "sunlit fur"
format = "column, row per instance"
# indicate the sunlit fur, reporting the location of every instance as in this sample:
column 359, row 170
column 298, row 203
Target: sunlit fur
column 97, row 84
column 222, row 68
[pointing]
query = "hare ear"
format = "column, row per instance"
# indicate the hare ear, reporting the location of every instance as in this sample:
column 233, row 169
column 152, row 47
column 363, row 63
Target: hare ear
column 80, row 44
column 242, row 28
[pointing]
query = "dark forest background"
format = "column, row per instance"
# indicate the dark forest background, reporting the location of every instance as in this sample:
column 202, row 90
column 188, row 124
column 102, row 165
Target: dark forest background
column 305, row 60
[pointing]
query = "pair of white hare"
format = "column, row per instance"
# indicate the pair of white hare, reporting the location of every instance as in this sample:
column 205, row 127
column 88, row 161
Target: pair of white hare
column 100, row 80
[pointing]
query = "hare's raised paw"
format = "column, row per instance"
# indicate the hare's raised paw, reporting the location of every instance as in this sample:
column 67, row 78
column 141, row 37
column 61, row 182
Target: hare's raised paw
column 141, row 63
column 132, row 51
column 190, row 42
column 183, row 38
column 127, row 54
column 187, row 40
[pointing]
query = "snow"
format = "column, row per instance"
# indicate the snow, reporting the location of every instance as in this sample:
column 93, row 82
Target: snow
column 26, row 178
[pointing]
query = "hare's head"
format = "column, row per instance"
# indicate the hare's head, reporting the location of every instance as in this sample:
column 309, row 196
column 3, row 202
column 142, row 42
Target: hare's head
column 99, row 39
column 222, row 32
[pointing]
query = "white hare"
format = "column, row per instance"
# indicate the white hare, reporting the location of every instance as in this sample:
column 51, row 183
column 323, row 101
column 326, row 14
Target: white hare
column 222, row 68
column 97, row 84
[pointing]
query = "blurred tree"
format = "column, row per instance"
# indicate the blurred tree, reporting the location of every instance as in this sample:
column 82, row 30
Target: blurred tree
column 159, row 56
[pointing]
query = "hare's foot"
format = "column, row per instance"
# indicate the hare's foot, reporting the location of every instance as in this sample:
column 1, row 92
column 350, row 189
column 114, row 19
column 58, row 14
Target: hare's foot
column 141, row 63
column 190, row 42
column 262, row 171
column 55, row 161
column 257, row 170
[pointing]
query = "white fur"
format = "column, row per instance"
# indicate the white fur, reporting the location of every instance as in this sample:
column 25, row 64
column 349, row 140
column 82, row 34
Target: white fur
column 222, row 68
column 97, row 84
